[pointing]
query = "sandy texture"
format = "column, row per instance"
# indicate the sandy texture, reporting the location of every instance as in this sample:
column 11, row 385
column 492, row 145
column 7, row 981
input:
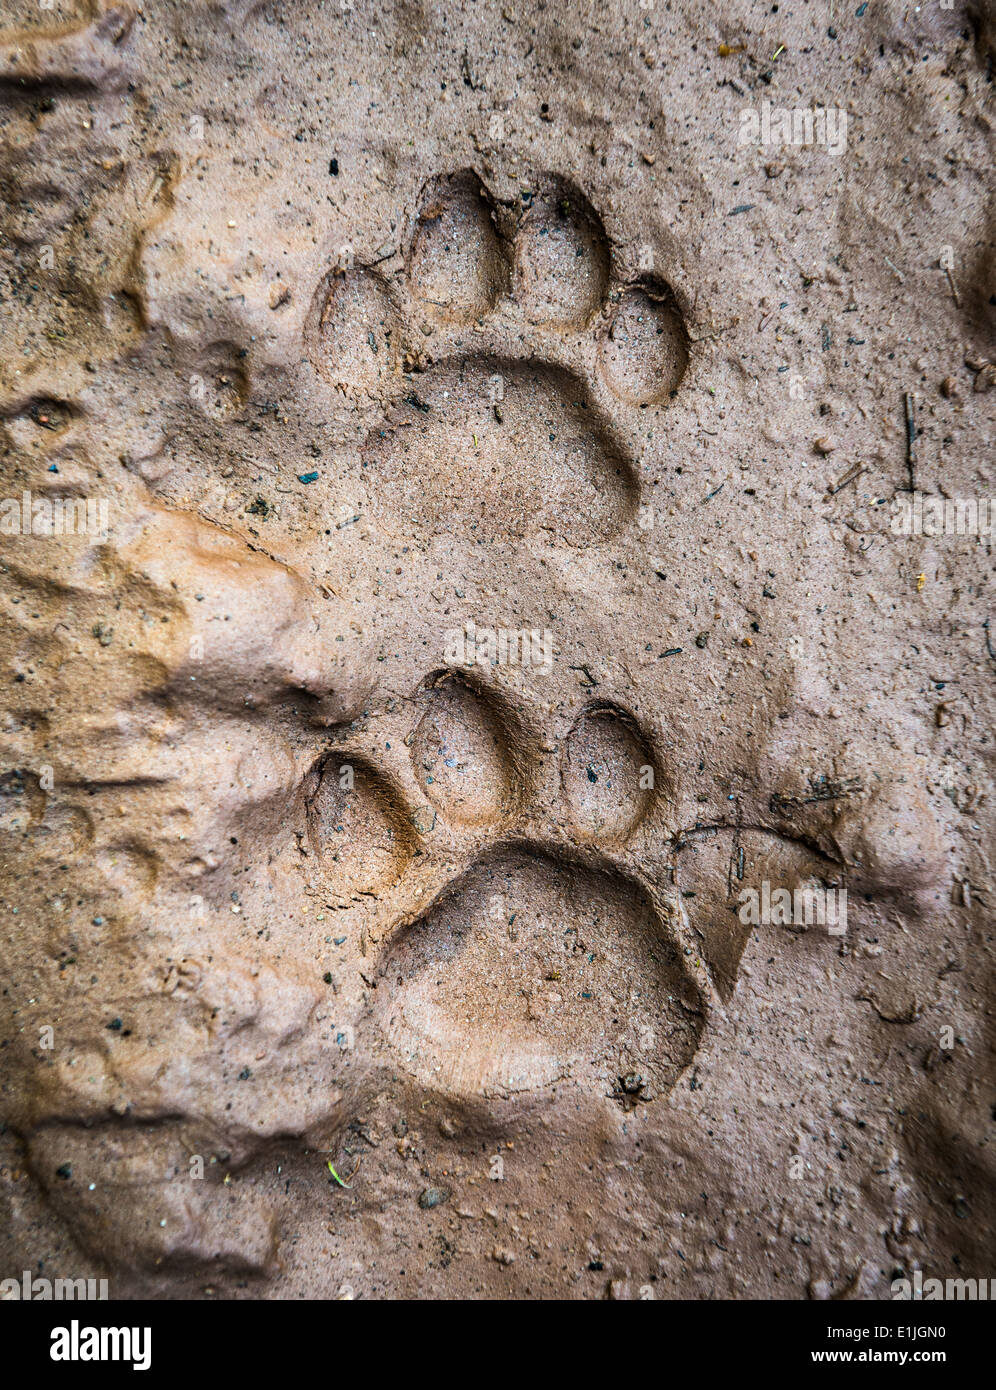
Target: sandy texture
column 336, row 964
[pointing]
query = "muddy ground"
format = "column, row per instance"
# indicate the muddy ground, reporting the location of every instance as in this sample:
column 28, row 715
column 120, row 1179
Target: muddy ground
column 473, row 515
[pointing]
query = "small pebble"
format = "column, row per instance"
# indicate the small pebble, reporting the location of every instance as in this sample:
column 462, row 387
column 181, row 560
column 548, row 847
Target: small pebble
column 433, row 1197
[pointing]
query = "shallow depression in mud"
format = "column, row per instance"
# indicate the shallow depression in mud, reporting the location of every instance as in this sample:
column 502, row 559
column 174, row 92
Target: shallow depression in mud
column 492, row 449
column 529, row 971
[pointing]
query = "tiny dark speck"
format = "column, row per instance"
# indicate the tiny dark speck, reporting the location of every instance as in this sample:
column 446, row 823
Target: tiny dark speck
column 334, row 168
column 741, row 207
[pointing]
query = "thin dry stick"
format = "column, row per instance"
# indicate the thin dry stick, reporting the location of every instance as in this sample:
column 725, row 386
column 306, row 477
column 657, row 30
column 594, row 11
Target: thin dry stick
column 910, row 440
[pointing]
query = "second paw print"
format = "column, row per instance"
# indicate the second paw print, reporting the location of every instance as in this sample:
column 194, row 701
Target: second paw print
column 522, row 950
column 509, row 364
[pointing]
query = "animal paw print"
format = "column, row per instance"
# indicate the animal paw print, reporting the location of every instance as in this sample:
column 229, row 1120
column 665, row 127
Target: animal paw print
column 508, row 340
column 521, row 954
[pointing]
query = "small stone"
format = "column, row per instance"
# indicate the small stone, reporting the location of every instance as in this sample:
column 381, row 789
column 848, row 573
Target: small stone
column 825, row 444
column 949, row 387
column 433, row 1197
column 502, row 1256
column 985, row 379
